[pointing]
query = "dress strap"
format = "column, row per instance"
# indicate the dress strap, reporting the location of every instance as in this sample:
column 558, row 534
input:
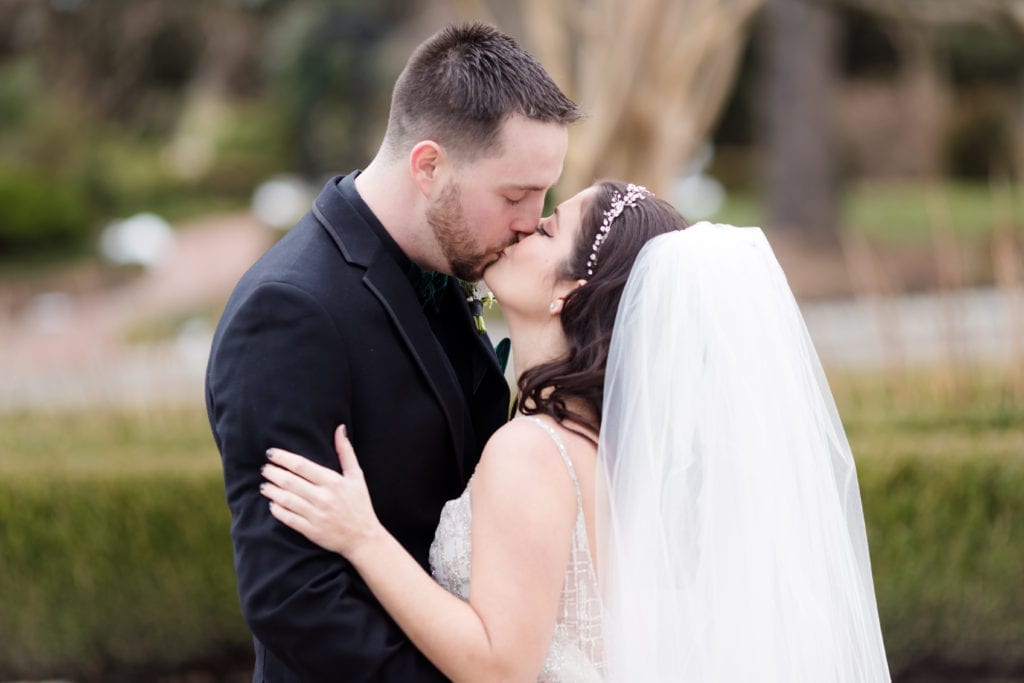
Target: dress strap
column 562, row 451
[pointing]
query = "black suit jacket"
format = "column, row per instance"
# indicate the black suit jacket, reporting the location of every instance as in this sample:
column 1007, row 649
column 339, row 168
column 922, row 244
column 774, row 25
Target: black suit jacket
column 326, row 329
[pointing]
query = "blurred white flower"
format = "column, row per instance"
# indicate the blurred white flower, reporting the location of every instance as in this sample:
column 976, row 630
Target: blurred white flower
column 698, row 196
column 281, row 201
column 144, row 239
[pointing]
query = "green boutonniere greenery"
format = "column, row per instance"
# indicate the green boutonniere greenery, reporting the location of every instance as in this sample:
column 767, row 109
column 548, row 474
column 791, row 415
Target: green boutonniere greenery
column 477, row 303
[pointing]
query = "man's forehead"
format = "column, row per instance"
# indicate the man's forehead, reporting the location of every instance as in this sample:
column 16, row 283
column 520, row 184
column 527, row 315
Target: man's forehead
column 528, row 159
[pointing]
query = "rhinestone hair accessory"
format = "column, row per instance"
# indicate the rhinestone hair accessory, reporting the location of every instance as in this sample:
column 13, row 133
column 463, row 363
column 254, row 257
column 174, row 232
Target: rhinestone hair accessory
column 634, row 193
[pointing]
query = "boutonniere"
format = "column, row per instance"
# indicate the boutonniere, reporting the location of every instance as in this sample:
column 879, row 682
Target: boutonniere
column 477, row 303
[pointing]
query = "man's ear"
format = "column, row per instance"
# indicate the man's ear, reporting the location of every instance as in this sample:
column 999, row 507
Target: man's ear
column 427, row 162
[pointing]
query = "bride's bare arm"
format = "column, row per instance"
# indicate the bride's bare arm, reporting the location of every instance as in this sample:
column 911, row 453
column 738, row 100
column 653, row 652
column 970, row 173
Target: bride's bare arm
column 523, row 506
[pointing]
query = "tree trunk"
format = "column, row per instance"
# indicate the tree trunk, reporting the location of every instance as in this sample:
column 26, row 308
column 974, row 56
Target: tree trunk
column 798, row 55
column 652, row 77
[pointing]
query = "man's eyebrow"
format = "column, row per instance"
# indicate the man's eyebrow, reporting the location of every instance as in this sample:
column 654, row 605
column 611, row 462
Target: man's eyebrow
column 525, row 188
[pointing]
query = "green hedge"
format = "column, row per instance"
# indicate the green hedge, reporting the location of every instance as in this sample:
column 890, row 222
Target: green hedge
column 115, row 573
column 115, row 554
column 947, row 547
column 943, row 493
column 39, row 213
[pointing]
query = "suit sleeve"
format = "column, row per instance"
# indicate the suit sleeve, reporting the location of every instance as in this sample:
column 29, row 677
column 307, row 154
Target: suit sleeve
column 278, row 377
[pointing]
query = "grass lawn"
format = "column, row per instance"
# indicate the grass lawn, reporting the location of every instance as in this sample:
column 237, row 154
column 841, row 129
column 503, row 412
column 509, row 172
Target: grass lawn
column 107, row 444
column 903, row 213
column 883, row 419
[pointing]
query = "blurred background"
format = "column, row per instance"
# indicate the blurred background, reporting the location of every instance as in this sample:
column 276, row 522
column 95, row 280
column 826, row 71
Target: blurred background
column 150, row 151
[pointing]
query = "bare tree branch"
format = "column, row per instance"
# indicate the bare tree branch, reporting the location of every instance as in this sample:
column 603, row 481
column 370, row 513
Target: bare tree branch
column 652, row 76
column 934, row 13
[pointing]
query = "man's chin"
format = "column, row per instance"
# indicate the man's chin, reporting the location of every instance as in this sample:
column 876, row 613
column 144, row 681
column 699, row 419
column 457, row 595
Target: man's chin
column 475, row 272
column 487, row 266
column 469, row 273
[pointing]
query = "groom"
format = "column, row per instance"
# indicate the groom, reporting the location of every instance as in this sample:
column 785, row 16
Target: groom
column 327, row 328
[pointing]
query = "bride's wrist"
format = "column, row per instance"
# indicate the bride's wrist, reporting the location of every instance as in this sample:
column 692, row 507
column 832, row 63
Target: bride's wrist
column 370, row 542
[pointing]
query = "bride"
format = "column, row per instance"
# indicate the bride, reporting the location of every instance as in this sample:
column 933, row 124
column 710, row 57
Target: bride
column 675, row 500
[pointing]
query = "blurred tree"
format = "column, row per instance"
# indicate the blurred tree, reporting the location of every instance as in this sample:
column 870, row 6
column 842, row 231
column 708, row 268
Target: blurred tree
column 798, row 84
column 799, row 60
column 652, row 76
column 993, row 13
column 122, row 58
column 124, row 104
column 326, row 76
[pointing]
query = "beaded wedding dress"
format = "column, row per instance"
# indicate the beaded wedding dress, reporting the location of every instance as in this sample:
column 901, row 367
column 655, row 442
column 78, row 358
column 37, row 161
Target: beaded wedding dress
column 575, row 654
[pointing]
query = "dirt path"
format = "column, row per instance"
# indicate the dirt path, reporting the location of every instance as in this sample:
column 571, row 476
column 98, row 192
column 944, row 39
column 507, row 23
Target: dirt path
column 68, row 348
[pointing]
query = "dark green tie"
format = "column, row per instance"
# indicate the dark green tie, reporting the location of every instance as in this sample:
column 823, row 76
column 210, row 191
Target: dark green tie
column 502, row 350
column 429, row 287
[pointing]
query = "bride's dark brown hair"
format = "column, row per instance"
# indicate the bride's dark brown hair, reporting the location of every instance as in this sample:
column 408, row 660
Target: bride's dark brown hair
column 588, row 313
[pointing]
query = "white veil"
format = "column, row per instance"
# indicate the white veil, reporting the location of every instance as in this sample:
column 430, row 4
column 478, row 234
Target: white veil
column 731, row 542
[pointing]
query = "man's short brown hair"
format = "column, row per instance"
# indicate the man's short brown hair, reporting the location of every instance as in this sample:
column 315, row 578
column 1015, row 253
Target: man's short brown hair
column 460, row 84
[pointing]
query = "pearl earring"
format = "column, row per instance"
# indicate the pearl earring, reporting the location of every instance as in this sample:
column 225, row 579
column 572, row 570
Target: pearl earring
column 553, row 306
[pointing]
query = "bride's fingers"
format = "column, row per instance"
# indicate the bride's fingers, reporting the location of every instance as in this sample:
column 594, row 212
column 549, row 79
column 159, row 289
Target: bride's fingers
column 288, row 500
column 302, row 466
column 291, row 482
column 290, row 519
column 346, row 454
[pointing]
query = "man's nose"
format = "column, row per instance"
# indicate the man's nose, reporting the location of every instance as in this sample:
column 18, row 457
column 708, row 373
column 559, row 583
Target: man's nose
column 527, row 219
column 524, row 226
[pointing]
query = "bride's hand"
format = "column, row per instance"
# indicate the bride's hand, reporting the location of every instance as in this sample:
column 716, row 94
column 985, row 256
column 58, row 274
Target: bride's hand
column 333, row 510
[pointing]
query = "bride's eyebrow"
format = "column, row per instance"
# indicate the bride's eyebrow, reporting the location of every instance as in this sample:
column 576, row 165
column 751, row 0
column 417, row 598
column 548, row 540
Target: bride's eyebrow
column 554, row 221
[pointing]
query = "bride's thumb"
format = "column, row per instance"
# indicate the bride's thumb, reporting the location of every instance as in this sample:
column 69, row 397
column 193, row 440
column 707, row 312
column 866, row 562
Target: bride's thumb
column 346, row 454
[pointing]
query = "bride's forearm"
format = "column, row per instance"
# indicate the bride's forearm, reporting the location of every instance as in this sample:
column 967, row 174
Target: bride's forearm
column 447, row 630
column 334, row 511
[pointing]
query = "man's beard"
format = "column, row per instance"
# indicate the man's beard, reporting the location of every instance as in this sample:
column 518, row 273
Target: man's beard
column 455, row 237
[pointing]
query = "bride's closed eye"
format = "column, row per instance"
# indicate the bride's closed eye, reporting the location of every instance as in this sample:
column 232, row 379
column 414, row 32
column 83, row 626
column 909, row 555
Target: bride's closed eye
column 542, row 231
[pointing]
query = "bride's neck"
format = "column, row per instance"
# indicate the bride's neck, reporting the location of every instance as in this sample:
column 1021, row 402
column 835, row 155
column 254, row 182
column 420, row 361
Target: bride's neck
column 534, row 344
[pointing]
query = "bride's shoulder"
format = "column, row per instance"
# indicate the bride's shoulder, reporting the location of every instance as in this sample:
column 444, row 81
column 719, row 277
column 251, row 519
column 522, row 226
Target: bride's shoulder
column 525, row 441
column 522, row 461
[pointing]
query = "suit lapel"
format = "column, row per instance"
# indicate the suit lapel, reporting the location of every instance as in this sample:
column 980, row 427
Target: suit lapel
column 392, row 288
column 489, row 400
column 484, row 360
column 385, row 280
